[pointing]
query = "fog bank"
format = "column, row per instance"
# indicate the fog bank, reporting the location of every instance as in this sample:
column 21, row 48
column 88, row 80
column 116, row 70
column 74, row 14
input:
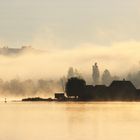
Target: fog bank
column 119, row 58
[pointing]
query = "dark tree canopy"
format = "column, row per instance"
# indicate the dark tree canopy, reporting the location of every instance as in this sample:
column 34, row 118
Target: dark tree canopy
column 75, row 87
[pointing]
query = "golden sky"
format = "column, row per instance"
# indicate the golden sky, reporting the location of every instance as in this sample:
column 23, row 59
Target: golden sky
column 74, row 33
column 68, row 23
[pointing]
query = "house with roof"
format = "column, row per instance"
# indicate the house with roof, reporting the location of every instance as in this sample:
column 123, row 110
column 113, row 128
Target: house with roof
column 116, row 91
column 122, row 90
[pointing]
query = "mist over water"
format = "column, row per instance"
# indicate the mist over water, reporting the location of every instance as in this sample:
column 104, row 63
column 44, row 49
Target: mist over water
column 77, row 121
column 20, row 73
column 97, row 41
column 119, row 58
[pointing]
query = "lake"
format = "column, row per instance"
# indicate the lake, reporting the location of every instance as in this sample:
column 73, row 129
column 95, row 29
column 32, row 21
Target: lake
column 70, row 121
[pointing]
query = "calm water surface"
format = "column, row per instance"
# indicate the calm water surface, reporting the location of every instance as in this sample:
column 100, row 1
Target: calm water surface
column 70, row 121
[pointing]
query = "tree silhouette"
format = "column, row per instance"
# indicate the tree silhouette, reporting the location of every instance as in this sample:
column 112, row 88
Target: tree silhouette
column 106, row 77
column 75, row 87
column 95, row 74
column 73, row 73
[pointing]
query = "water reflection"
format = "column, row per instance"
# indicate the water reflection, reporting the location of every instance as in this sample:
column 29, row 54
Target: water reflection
column 77, row 121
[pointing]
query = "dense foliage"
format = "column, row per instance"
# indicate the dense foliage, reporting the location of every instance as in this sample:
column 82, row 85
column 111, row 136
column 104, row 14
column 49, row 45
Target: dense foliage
column 75, row 87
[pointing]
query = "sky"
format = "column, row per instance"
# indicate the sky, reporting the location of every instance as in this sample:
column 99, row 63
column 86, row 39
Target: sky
column 75, row 33
column 68, row 23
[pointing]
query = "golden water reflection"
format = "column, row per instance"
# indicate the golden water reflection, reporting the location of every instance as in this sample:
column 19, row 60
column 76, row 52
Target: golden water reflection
column 66, row 121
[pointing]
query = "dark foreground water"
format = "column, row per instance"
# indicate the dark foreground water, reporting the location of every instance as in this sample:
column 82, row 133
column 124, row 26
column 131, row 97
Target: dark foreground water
column 70, row 121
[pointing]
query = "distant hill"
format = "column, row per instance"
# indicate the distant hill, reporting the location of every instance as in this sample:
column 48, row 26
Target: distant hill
column 16, row 51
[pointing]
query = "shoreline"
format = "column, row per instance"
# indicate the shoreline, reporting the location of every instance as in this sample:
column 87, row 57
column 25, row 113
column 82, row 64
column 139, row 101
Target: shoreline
column 38, row 99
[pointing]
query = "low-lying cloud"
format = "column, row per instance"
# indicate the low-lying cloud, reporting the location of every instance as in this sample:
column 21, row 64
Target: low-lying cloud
column 119, row 58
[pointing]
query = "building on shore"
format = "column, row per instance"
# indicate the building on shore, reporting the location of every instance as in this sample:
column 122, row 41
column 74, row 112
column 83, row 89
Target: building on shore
column 116, row 91
column 59, row 96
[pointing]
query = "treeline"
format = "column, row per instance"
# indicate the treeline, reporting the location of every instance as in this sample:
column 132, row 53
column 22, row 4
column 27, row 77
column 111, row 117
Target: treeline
column 104, row 78
column 29, row 87
column 97, row 78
